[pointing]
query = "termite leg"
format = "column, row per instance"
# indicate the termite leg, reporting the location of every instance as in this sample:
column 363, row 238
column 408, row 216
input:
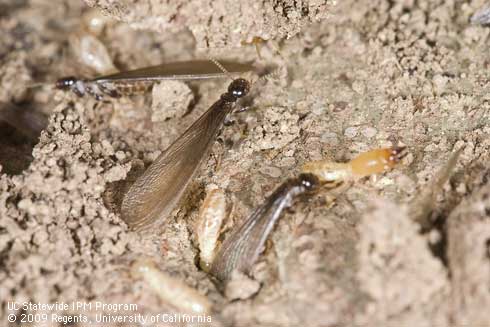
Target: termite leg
column 109, row 91
column 330, row 173
column 229, row 121
column 256, row 41
column 242, row 109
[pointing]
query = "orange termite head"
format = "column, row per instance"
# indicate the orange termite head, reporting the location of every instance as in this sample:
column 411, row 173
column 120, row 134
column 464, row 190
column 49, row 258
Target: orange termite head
column 377, row 161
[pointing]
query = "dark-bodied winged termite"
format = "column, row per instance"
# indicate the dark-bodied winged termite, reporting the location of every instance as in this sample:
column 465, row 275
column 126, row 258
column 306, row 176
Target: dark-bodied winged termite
column 140, row 80
column 242, row 248
column 155, row 193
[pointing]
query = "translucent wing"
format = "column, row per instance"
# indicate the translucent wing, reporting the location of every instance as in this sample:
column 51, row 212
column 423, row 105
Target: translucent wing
column 482, row 16
column 155, row 193
column 241, row 249
column 185, row 70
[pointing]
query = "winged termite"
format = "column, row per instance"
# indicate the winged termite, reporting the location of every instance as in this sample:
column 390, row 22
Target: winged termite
column 155, row 193
column 242, row 248
column 140, row 80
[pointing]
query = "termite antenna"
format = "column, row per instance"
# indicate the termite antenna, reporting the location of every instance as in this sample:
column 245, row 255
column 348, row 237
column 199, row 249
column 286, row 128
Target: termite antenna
column 275, row 46
column 256, row 41
column 35, row 85
column 275, row 74
column 220, row 66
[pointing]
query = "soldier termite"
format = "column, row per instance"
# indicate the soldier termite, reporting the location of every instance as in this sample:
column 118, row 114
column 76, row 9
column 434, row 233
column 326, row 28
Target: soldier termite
column 140, row 80
column 154, row 194
column 368, row 163
column 242, row 248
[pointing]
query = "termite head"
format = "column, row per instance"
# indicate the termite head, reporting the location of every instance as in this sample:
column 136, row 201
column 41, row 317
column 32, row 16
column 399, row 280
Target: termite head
column 376, row 161
column 309, row 181
column 65, row 83
column 239, row 88
column 397, row 154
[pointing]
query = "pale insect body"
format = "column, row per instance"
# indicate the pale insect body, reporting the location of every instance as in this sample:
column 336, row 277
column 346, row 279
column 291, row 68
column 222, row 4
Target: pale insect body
column 169, row 289
column 211, row 216
column 87, row 47
column 368, row 163
column 95, row 22
column 92, row 53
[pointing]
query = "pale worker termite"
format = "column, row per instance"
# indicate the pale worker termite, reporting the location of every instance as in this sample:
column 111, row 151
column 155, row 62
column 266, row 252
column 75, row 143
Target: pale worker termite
column 94, row 21
column 211, row 217
column 169, row 289
column 87, row 47
column 91, row 52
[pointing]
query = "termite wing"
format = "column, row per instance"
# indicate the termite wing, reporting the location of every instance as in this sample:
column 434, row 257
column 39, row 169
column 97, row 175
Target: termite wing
column 154, row 194
column 140, row 80
column 242, row 248
column 481, row 16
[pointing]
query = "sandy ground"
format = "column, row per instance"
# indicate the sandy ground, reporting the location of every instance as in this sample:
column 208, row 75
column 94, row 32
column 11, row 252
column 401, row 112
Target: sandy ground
column 368, row 74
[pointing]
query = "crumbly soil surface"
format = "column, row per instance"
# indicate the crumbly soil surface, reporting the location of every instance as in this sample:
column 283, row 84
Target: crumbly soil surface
column 370, row 74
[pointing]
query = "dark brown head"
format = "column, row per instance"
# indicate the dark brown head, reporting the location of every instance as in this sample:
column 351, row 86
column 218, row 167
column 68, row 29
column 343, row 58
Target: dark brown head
column 239, row 88
column 309, row 181
column 65, row 83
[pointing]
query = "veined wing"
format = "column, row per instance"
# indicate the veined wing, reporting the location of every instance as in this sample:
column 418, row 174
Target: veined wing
column 184, row 70
column 155, row 193
column 241, row 249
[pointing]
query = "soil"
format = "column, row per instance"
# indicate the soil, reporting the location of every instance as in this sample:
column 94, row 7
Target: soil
column 350, row 77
